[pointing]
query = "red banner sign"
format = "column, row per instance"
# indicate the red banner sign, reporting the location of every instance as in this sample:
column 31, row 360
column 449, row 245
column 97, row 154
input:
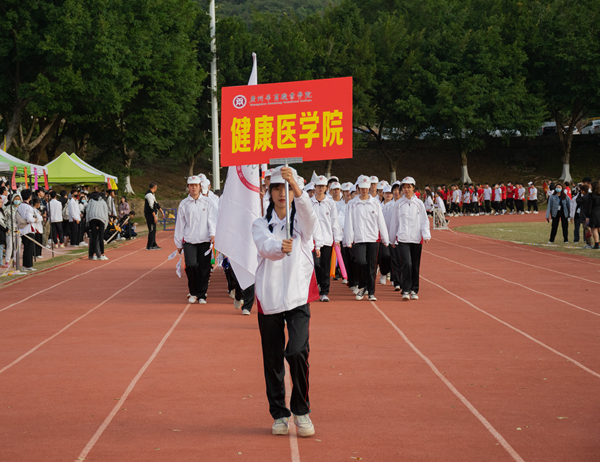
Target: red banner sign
column 46, row 180
column 13, row 183
column 310, row 119
column 25, row 176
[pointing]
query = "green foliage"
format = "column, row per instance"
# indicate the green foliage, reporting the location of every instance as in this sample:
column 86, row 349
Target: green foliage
column 245, row 9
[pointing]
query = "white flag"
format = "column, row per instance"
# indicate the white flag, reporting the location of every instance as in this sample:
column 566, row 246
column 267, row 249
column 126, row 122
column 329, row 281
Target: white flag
column 239, row 207
column 254, row 74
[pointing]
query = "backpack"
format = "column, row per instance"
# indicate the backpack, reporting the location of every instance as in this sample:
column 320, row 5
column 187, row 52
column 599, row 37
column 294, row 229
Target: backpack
column 66, row 212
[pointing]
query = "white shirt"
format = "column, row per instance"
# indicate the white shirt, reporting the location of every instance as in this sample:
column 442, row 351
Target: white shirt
column 37, row 226
column 456, row 196
column 365, row 222
column 521, row 194
column 26, row 211
column 497, row 195
column 439, row 203
column 196, row 221
column 55, row 208
column 326, row 211
column 74, row 213
column 409, row 221
column 532, row 194
column 387, row 214
column 487, row 194
column 428, row 203
column 341, row 211
column 285, row 282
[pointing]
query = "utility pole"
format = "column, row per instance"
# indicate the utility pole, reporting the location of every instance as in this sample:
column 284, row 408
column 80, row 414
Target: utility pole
column 216, row 162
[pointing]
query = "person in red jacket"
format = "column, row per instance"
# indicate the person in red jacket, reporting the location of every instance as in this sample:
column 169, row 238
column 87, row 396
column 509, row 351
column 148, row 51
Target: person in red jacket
column 503, row 189
column 510, row 197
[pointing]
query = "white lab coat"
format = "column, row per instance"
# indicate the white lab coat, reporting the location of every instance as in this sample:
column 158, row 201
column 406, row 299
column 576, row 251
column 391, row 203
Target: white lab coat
column 326, row 211
column 409, row 221
column 196, row 221
column 365, row 222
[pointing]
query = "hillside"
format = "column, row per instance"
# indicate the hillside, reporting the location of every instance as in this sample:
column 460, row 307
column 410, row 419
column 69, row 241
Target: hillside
column 245, row 8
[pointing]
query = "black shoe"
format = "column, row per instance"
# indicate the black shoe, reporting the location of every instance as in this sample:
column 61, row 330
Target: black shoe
column 156, row 248
column 597, row 246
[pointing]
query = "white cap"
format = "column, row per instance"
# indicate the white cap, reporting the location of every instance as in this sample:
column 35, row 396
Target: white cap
column 202, row 176
column 321, row 181
column 361, row 179
column 530, row 183
column 333, row 178
column 382, row 184
column 204, row 184
column 408, row 180
column 374, row 179
column 309, row 187
column 396, row 182
column 346, row 186
column 268, row 172
column 352, row 189
column 194, row 179
column 300, row 182
column 387, row 188
column 276, row 177
column 335, row 185
column 364, row 184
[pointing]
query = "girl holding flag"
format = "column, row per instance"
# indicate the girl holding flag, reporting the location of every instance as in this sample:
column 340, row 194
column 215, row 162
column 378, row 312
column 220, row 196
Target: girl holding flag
column 285, row 285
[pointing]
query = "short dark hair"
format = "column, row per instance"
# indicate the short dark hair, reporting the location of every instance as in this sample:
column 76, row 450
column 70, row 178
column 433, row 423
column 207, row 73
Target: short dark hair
column 152, row 184
column 587, row 179
column 63, row 193
column 26, row 194
column 35, row 200
column 53, row 194
column 132, row 213
column 2, row 189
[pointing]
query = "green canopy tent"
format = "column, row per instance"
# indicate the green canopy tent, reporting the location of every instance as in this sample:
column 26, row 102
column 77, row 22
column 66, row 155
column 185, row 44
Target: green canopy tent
column 100, row 172
column 8, row 163
column 65, row 170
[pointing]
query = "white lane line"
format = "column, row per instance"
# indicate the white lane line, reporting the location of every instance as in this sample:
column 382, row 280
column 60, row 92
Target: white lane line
column 525, row 246
column 568, row 358
column 521, row 262
column 457, row 393
column 292, row 433
column 106, row 423
column 39, row 345
column 70, row 279
column 515, row 283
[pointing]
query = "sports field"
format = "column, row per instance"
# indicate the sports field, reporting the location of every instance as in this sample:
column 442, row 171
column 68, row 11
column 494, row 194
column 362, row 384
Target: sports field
column 497, row 361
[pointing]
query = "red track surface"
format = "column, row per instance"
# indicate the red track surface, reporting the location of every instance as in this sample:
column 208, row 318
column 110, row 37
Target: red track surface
column 498, row 361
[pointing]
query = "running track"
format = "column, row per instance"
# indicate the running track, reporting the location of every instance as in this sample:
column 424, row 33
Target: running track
column 498, row 361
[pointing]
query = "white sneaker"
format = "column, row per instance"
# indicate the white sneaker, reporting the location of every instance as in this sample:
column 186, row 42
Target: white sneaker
column 382, row 279
column 360, row 294
column 324, row 298
column 202, row 301
column 527, row 211
column 372, row 298
column 397, row 288
column 535, row 213
column 304, row 425
column 354, row 290
column 281, row 426
column 388, row 276
column 344, row 281
column 237, row 304
column 40, row 256
column 413, row 295
column 232, row 294
column 103, row 257
column 192, row 299
column 246, row 312
column 405, row 296
column 94, row 258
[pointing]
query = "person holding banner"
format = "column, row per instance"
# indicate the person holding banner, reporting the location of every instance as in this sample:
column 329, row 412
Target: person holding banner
column 409, row 228
column 364, row 227
column 285, row 285
column 195, row 236
column 331, row 234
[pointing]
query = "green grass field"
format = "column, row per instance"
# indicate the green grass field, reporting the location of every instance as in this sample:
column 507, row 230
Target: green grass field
column 533, row 234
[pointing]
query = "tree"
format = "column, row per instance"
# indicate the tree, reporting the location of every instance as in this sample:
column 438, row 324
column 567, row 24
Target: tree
column 564, row 63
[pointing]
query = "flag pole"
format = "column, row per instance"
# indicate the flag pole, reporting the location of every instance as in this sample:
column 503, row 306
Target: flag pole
column 216, row 163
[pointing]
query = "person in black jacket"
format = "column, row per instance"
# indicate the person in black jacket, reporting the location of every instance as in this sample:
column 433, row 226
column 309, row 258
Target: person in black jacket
column 151, row 209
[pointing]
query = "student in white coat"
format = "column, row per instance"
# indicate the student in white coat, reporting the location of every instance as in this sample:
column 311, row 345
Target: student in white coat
column 195, row 235
column 410, row 227
column 331, row 233
column 364, row 227
column 285, row 286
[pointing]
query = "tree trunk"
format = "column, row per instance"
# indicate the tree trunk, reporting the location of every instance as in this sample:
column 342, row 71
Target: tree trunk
column 15, row 121
column 191, row 164
column 328, row 166
column 566, row 174
column 51, row 153
column 392, row 177
column 81, row 148
column 464, row 177
column 44, row 127
column 128, row 157
column 566, row 139
column 39, row 151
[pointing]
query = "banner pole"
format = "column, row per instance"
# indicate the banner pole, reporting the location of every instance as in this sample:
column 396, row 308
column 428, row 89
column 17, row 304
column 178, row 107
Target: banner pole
column 287, row 211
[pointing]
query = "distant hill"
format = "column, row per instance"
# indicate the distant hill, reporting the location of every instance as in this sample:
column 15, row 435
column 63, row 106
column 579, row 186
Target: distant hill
column 245, row 8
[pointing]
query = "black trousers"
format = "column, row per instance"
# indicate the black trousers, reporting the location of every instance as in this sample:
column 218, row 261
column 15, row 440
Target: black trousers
column 384, row 259
column 96, row 238
column 274, row 349
column 197, row 267
column 532, row 204
column 366, row 260
column 151, row 232
column 56, row 230
column 510, row 204
column 519, row 205
column 37, row 250
column 560, row 217
column 350, row 265
column 396, row 265
column 488, row 208
column 74, row 232
column 28, row 250
column 247, row 295
column 410, row 256
column 576, row 228
column 323, row 268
